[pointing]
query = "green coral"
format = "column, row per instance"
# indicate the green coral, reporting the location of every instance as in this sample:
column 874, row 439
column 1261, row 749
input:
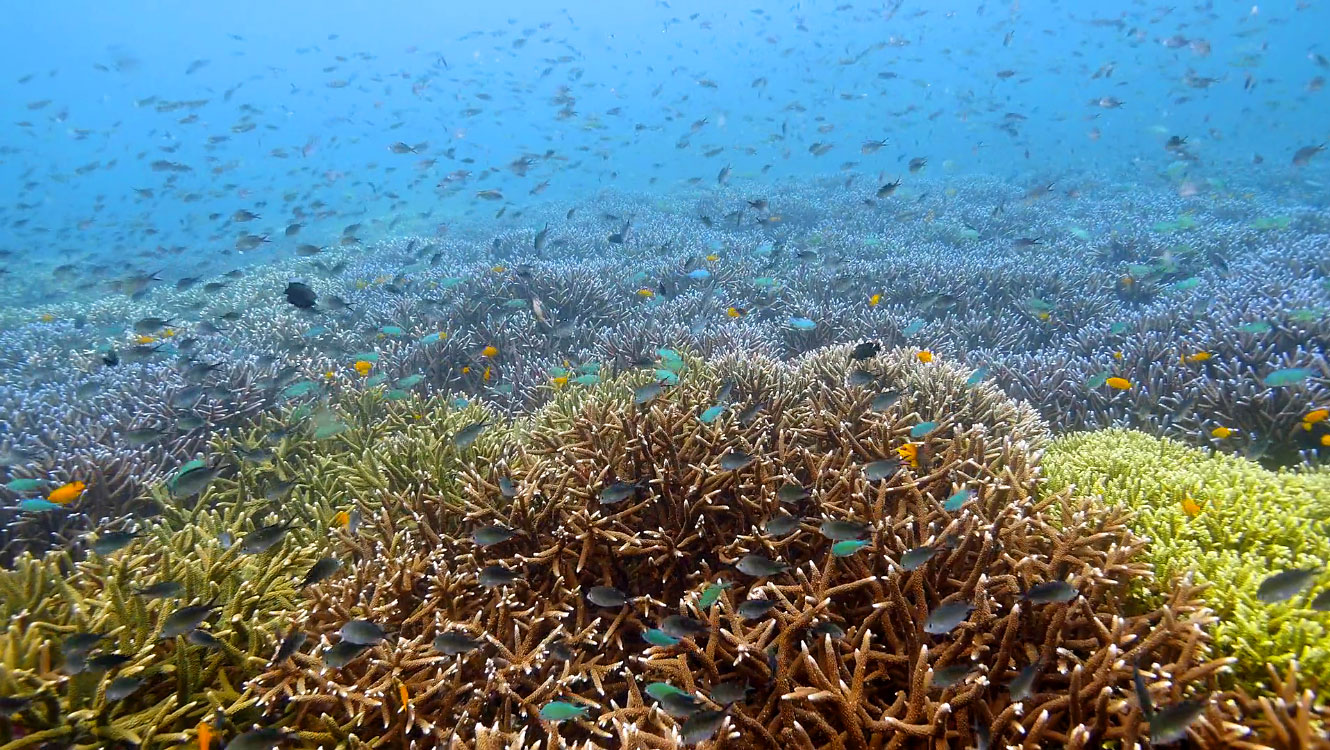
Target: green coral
column 1251, row 523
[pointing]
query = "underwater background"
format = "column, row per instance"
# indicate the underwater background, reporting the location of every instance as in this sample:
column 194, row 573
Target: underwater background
column 660, row 374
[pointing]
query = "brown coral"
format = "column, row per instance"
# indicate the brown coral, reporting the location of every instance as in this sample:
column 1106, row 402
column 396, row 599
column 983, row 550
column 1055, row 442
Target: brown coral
column 866, row 682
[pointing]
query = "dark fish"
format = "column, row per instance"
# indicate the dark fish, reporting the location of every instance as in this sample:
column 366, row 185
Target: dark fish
column 755, row 609
column 80, row 643
column 730, row 691
column 735, row 460
column 264, row 539
column 203, row 639
column 645, row 393
column 110, row 541
column 467, row 435
column 1023, row 686
column 1286, row 584
column 1049, row 592
column 1169, row 724
column 759, row 566
column 506, row 487
column 290, row 644
column 827, row 628
column 321, row 571
column 104, row 662
column 679, row 705
column 860, row 378
column 951, row 674
column 497, row 575
column 884, row 469
column 681, row 626
column 161, row 590
column 916, row 557
column 487, row 536
column 186, row 619
column 885, row 400
column 945, row 618
column 362, row 632
column 193, row 481
column 839, row 531
column 791, row 493
column 617, row 493
column 865, row 350
column 342, row 653
column 607, row 596
column 1322, row 601
column 782, row 524
column 12, row 704
column 702, row 726
column 453, row 643
column 123, row 687
column 300, row 295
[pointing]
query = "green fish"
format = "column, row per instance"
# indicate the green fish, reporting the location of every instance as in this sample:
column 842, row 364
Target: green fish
column 561, row 711
column 711, row 594
column 848, row 547
column 1287, row 376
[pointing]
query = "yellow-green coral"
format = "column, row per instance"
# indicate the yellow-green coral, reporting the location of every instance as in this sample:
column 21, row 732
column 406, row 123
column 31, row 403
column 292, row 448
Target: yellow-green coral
column 1251, row 523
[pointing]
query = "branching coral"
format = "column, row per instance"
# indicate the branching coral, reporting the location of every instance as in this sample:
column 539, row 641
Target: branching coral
column 659, row 502
column 1228, row 523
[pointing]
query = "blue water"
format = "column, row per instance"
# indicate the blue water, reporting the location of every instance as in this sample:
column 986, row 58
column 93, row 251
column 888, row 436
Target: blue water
column 84, row 84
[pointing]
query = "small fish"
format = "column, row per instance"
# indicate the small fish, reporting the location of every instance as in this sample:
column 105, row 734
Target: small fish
column 947, row 617
column 161, row 590
column 558, row 711
column 259, row 738
column 454, row 643
column 792, row 493
column 204, row 639
column 646, row 393
column 702, row 726
column 841, row 531
column 362, row 632
column 321, row 570
column 884, row 469
column 607, row 596
column 492, row 576
column 1022, row 687
column 185, row 619
column 735, row 460
column 467, row 435
column 951, row 674
column 1118, row 384
column 488, row 536
column 1050, row 592
column 1287, row 376
column 342, row 653
column 922, row 429
column 290, row 644
column 110, row 541
column 915, row 558
column 123, row 687
column 781, row 524
column 1286, row 584
column 264, row 539
column 729, row 692
column 865, row 350
column 958, row 500
column 759, row 566
column 106, row 662
column 802, row 324
column 848, row 547
column 301, row 295
column 711, row 594
column 681, row 626
column 617, row 492
column 755, row 609
column 885, row 400
column 67, row 493
column 1169, row 724
column 828, row 628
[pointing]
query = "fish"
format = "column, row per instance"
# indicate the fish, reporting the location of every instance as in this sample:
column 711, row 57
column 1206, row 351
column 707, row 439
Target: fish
column 885, row 400
column 259, row 738
column 618, row 492
column 702, row 726
column 1049, row 592
column 1303, row 156
column 492, row 576
column 735, row 460
column 263, row 539
column 488, row 536
column 1118, row 383
column 841, row 531
column 559, row 711
column 781, row 524
column 755, row 609
column 321, row 570
column 792, row 493
column 883, row 469
column 204, row 639
column 466, row 436
column 111, row 541
column 1022, row 687
column 454, row 643
column 947, row 617
column 945, row 677
column 301, row 295
column 1286, row 584
column 607, row 596
column 67, row 493
column 848, row 547
column 682, row 626
column 185, row 619
column 161, row 590
column 759, row 566
column 865, row 350
column 915, row 558
column 122, row 687
column 729, row 692
column 290, row 644
column 646, row 393
column 342, row 653
column 362, row 632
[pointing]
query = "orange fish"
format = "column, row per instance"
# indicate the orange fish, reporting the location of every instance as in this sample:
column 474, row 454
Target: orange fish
column 486, row 375
column 403, row 695
column 490, row 351
column 1190, row 507
column 909, row 453
column 1119, row 384
column 67, row 493
column 1197, row 357
column 1314, row 416
column 363, row 367
column 645, row 293
column 341, row 519
column 924, row 356
column 875, row 300
column 206, row 735
column 736, row 312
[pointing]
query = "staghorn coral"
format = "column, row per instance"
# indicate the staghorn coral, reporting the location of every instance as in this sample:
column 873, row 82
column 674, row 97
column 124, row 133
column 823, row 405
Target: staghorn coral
column 1249, row 523
column 690, row 520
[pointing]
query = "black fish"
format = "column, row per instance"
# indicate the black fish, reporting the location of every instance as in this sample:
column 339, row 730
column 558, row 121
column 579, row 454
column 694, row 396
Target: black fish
column 840, row 531
column 617, row 492
column 865, row 350
column 951, row 674
column 162, row 590
column 320, row 571
column 759, row 566
column 755, row 609
column 342, row 653
column 264, row 539
column 947, row 617
column 607, row 596
column 1051, row 591
column 110, row 541
column 453, row 643
column 186, row 619
column 1169, row 724
column 487, row 536
column 362, row 632
column 289, row 645
column 300, row 295
column 123, row 687
column 730, row 691
column 681, row 626
column 203, row 639
column 1285, row 584
column 791, row 493
column 702, row 726
column 497, row 575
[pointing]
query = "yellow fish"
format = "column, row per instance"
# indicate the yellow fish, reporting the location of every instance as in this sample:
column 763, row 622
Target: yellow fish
column 1119, row 384
column 1190, row 507
column 499, row 269
column 144, row 340
column 341, row 519
column 363, row 366
column 875, row 300
column 1197, row 357
column 330, row 375
column 1314, row 416
column 490, row 351
column 46, row 318
column 466, row 369
column 736, row 312
column 1221, row 432
column 403, row 695
column 924, row 356
column 67, row 493
column 713, row 257
column 909, row 453
column 486, row 375
column 560, row 381
column 645, row 293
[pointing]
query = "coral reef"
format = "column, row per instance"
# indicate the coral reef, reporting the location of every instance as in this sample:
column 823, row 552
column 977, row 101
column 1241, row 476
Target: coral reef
column 614, row 549
column 1224, row 522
